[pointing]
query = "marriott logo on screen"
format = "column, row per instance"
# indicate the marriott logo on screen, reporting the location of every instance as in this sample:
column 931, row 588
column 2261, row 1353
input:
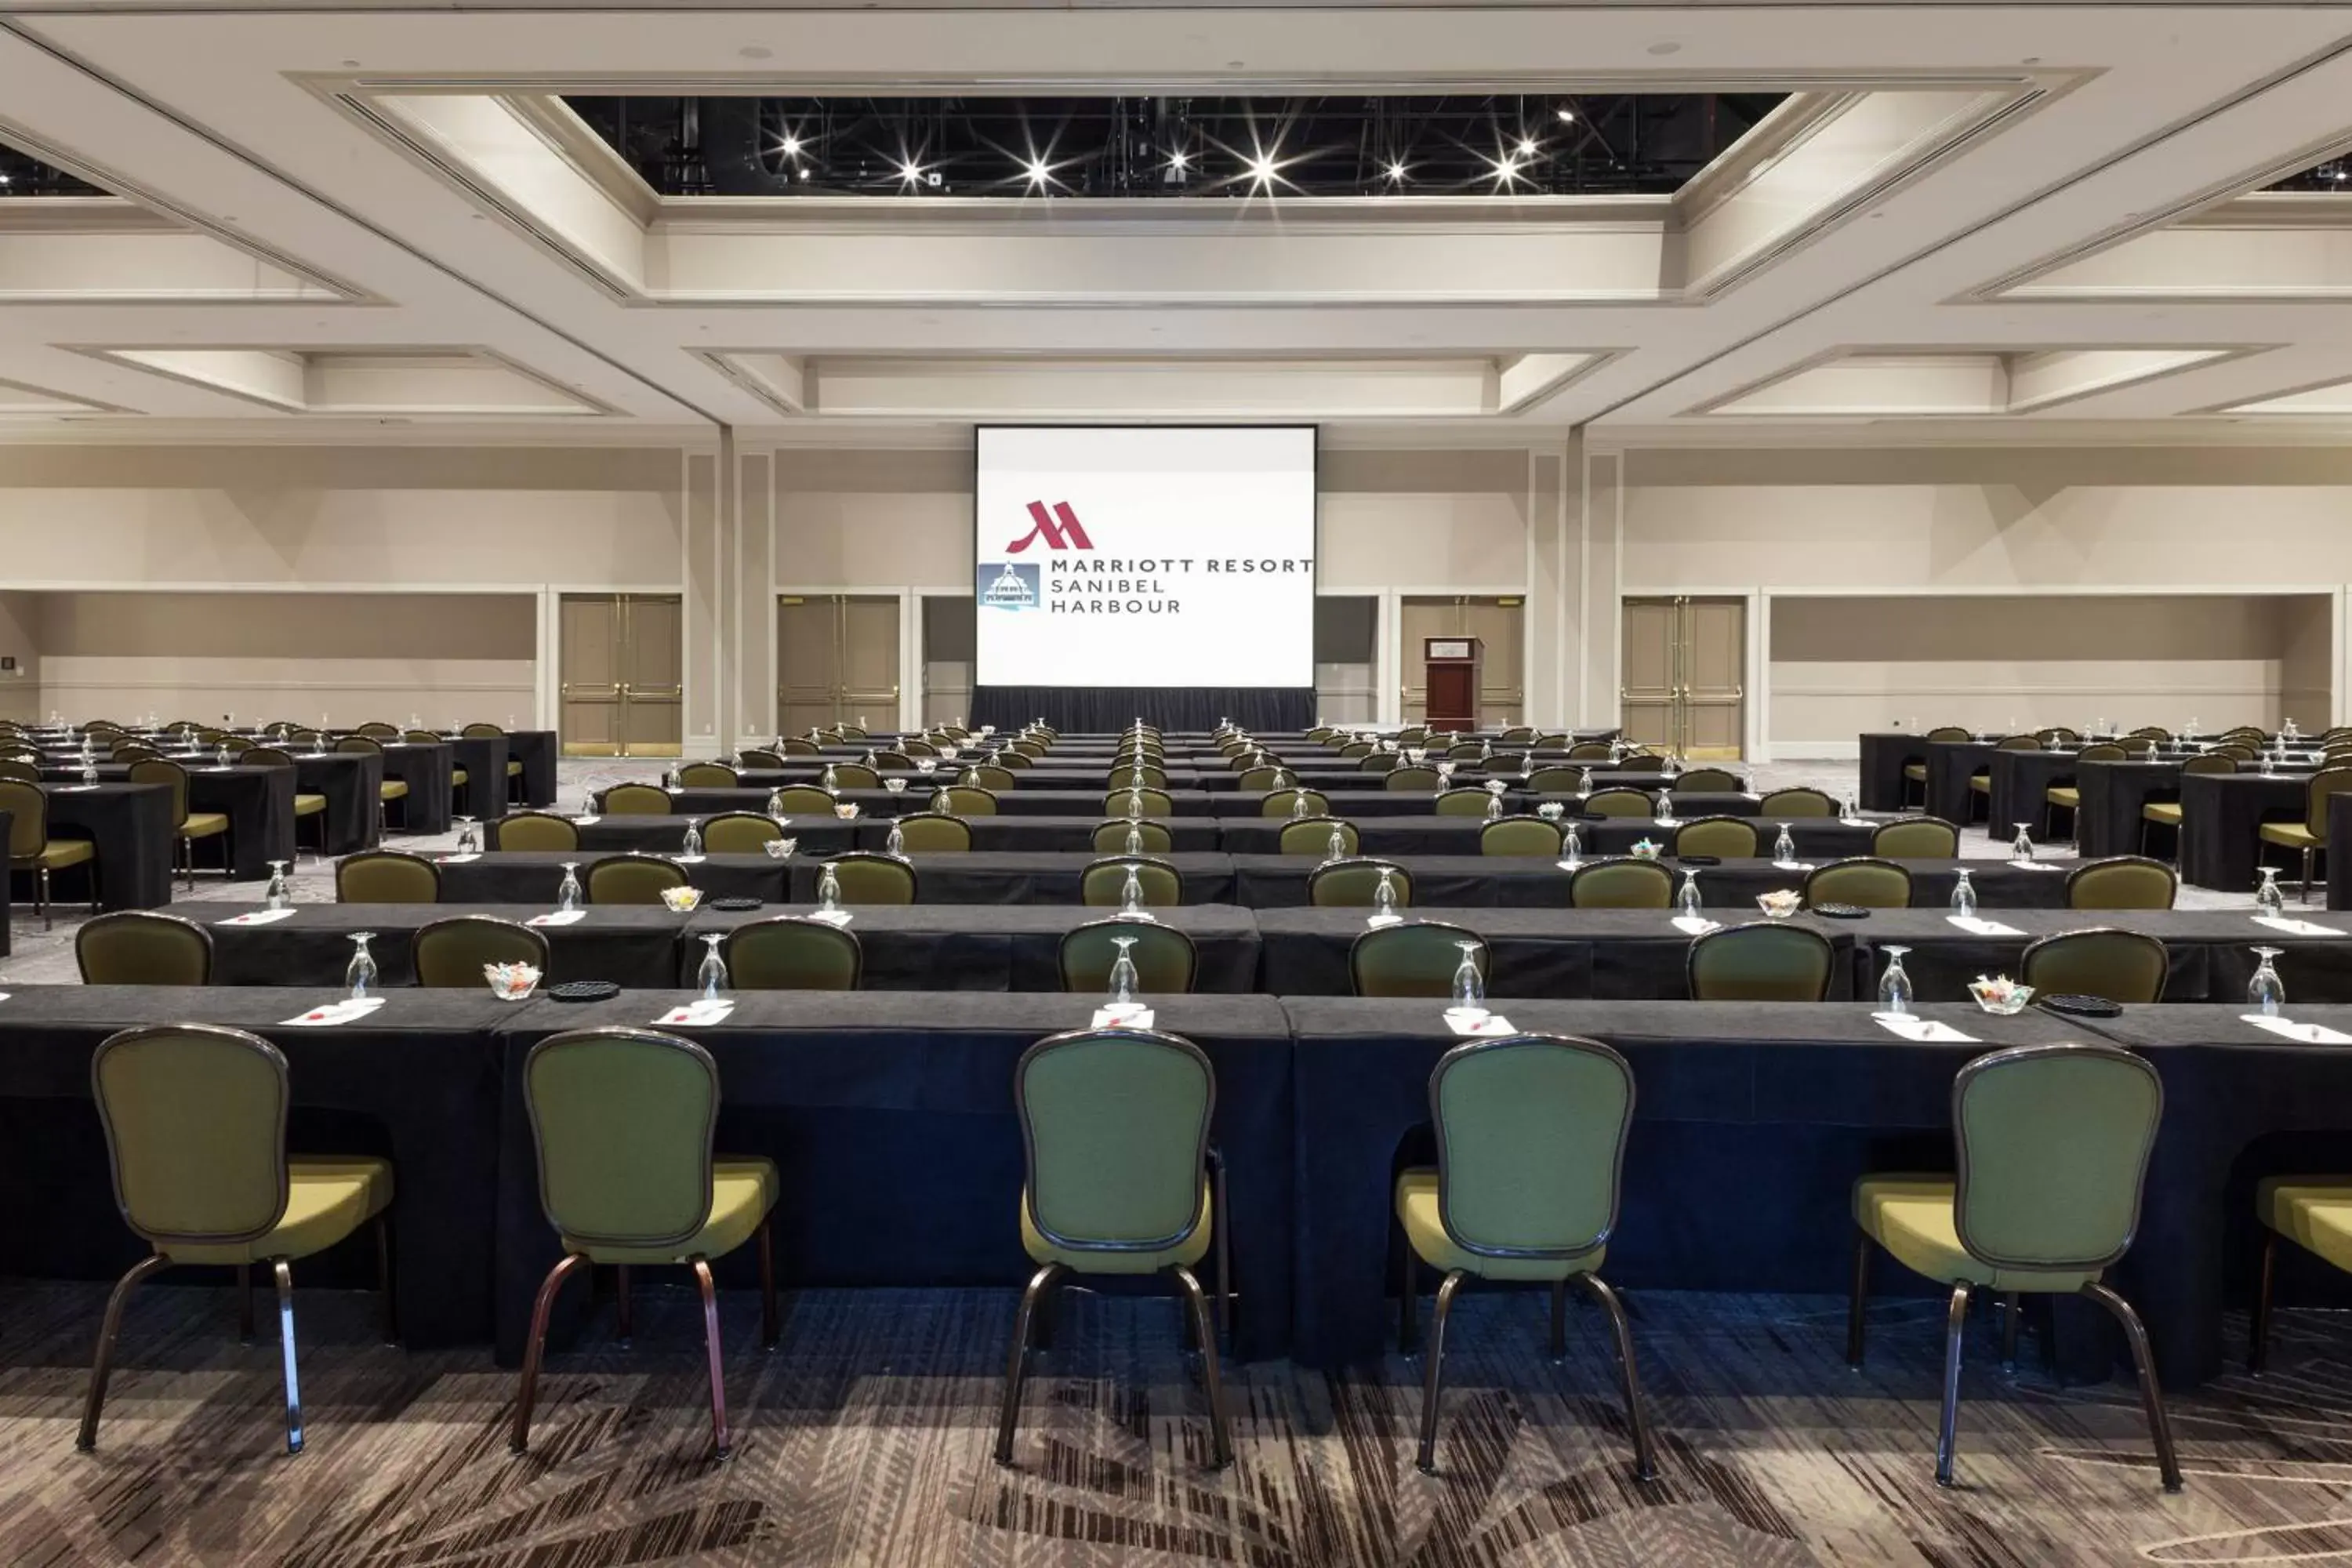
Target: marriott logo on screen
column 1060, row 529
column 1107, row 585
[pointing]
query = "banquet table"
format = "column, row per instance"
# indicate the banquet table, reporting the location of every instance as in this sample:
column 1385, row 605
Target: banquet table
column 418, row 1080
column 426, row 769
column 484, row 760
column 664, row 835
column 131, row 824
column 1017, row 802
column 981, row 877
column 630, row 944
column 827, row 836
column 2340, row 867
column 895, row 1113
column 1949, row 765
column 2114, row 793
column 257, row 801
column 1883, row 755
column 1535, row 881
column 2222, row 815
column 2020, row 781
column 1816, row 838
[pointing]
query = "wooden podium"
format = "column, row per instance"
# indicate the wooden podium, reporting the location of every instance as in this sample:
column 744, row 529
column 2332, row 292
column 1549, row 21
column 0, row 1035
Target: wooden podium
column 1452, row 667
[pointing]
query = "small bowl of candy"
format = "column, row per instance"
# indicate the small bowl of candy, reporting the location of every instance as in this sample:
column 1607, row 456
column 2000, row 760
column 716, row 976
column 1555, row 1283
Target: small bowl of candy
column 1552, row 810
column 1781, row 902
column 511, row 982
column 1646, row 850
column 1999, row 995
column 681, row 900
column 781, row 848
column 846, row 810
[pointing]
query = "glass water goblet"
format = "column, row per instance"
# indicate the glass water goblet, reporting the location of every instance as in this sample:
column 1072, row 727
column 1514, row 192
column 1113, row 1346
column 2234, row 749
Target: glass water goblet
column 361, row 973
column 567, row 892
column 1895, row 986
column 1469, row 986
column 280, row 895
column 710, row 980
column 693, row 848
column 2021, row 848
column 1123, row 977
column 468, row 841
column 2265, row 992
column 2270, row 903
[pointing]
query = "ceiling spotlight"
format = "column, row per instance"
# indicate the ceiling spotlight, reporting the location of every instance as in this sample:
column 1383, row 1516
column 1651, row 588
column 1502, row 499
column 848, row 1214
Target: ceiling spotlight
column 1528, row 147
column 1179, row 159
column 1396, row 171
column 1040, row 172
column 910, row 172
column 1507, row 171
column 1263, row 168
column 791, row 145
column 1568, row 116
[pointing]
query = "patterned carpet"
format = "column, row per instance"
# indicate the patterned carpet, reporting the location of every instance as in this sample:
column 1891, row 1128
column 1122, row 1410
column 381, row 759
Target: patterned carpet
column 864, row 1439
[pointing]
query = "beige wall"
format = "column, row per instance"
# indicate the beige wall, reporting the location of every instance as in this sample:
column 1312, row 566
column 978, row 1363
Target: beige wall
column 20, row 693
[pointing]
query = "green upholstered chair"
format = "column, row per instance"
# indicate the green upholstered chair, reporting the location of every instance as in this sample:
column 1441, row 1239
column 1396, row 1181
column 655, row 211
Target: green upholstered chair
column 1644, row 762
column 1312, row 836
column 1139, row 803
column 647, row 800
column 1164, row 958
column 1731, row 838
column 1412, row 776
column 538, row 830
column 2053, row 1144
column 386, row 791
column 1588, row 751
column 196, row 1134
column 2122, row 882
column 132, row 752
column 1378, row 762
column 2315, row 1214
column 790, row 952
column 386, row 877
column 709, row 776
column 1110, row 836
column 308, row 805
column 1799, row 802
column 187, row 827
column 1416, row 958
column 1115, row 1123
column 866, row 877
column 756, row 758
column 736, row 833
column 23, row 773
column 1530, row 1147
column 450, row 953
column 1711, row 779
column 987, row 775
column 1555, row 780
column 1465, row 751
column 1464, row 800
column 1256, row 780
column 1865, row 882
column 1618, row 802
column 1763, row 960
column 1284, row 802
column 139, row 947
column 1520, row 836
column 2068, row 797
column 1625, row 884
column 632, row 879
column 1123, row 773
column 1354, row 750
column 1101, row 884
column 2099, row 961
column 623, row 1120
column 1917, row 773
column 1916, row 838
column 2169, row 812
column 2310, row 834
column 1353, row 882
column 1413, row 735
column 33, row 851
column 1033, row 750
column 794, row 746
column 892, row 762
column 377, row 729
column 934, row 833
column 2157, row 733
column 800, row 800
column 1516, row 735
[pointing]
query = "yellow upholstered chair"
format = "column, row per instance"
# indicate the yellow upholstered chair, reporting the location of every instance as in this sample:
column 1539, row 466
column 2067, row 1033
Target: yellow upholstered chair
column 1864, row 882
column 800, row 800
column 1102, row 884
column 1620, row 885
column 709, row 776
column 141, row 947
column 2053, row 1144
column 792, row 953
column 195, row 1132
column 1354, row 883
column 623, row 1122
column 33, row 851
column 1412, row 776
column 1530, row 1146
column 2068, row 797
column 22, row 772
column 388, row 790
column 1151, row 837
column 1618, row 802
column 1764, row 961
column 632, row 879
column 1164, row 958
column 1465, row 800
column 2310, row 834
column 737, row 832
column 1727, row 837
column 2315, row 1214
column 538, row 830
column 1555, row 780
column 386, row 877
column 1418, row 957
column 1916, row 838
column 2122, row 883
column 1520, row 836
column 187, row 827
column 934, row 833
column 458, row 778
column 2099, row 961
column 870, row 878
column 1139, row 803
column 450, row 953
column 1715, row 781
column 1590, row 751
column 377, row 729
column 1799, row 802
column 1981, row 781
column 650, row 800
column 514, row 765
column 1917, row 773
column 1312, row 836
column 1287, row 803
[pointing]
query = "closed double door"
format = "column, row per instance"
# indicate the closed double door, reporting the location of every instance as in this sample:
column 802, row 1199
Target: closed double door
column 1684, row 675
column 620, row 662
column 836, row 662
column 1499, row 625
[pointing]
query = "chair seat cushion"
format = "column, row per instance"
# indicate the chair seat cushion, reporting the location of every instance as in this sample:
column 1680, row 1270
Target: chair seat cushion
column 58, row 853
column 1915, row 771
column 1416, row 1207
column 1088, row 1260
column 514, row 769
column 2064, row 795
column 1980, row 782
column 326, row 1200
column 2313, row 1211
column 2164, row 811
column 1911, row 1217
column 391, row 789
column 456, row 775
column 2294, row 834
column 203, row 824
column 741, row 1193
column 310, row 804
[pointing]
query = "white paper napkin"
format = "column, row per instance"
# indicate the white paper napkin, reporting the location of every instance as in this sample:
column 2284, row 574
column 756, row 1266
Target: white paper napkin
column 1478, row 1021
column 700, row 1011
column 2036, row 866
column 833, row 917
column 1374, row 922
column 459, row 859
column 256, row 918
column 1910, row 1026
column 69, row 789
column 1793, row 865
column 1855, row 821
column 2302, row 1034
column 1975, row 926
column 1133, row 1016
column 349, row 1010
column 1696, row 925
column 584, row 820
column 1146, row 919
column 2294, row 927
column 558, row 918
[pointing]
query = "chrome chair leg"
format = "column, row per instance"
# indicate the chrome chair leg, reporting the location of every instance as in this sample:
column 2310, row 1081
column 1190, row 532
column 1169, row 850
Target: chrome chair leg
column 286, row 1353
column 2151, row 1396
column 768, row 1329
column 1948, row 1429
column 384, row 1281
column 1645, row 1457
column 1224, row 1250
column 711, row 1350
column 102, row 1362
column 1557, row 1346
column 2306, row 875
column 1433, row 1380
column 1857, row 1300
column 1017, row 1367
column 2258, row 1348
column 1407, row 1332
column 2008, row 1308
column 1220, row 1442
column 533, row 1347
column 41, row 897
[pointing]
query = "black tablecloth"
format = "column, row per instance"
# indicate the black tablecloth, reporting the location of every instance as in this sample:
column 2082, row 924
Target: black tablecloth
column 537, row 750
column 978, row 878
column 531, row 876
column 990, row 947
column 132, row 825
column 2340, row 867
column 2108, row 822
column 257, row 801
column 2020, row 783
column 667, row 835
column 1816, row 838
column 1884, row 754
column 484, row 760
column 2212, row 949
column 1058, row 834
column 1949, row 765
column 425, row 770
column 7, row 821
column 418, row 1080
column 2222, row 814
column 894, row 1115
column 1472, row 881
column 1017, row 802
column 1110, row 709
column 635, row 945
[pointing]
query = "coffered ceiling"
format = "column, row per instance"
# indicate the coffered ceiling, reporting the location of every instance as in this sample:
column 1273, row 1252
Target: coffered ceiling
column 1962, row 222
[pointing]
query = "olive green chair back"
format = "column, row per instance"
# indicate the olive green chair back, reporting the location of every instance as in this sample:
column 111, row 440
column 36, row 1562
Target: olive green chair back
column 450, row 953
column 1465, row 751
column 1588, row 751
column 647, row 800
column 1731, row 837
column 1617, row 802
column 1164, row 958
column 413, row 737
column 136, row 751
column 2211, row 762
column 759, row 759
column 963, row 800
column 1412, row 777
column 2101, row 960
column 934, row 833
column 736, row 833
column 387, row 876
column 632, row 879
column 1377, row 763
column 1516, row 735
column 1139, row 803
column 2019, row 743
column 1798, row 801
column 1260, row 778
column 23, row 773
column 1530, row 1143
column 1415, row 959
column 195, row 1132
column 165, row 771
column 709, row 776
column 2053, row 1145
column 538, row 830
column 1122, row 774
column 2326, row 782
column 1466, row 800
column 989, row 777
column 2105, row 752
column 1620, row 885
column 1312, row 836
column 378, row 730
column 1355, row 748
column 1520, row 836
column 2126, row 882
column 1110, row 836
column 1115, row 1126
column 623, row 1122
column 870, row 878
column 1351, row 883
column 1916, row 838
column 138, row 947
column 803, row 800
column 1764, row 961
column 790, row 953
column 2156, row 732
column 1284, row 802
column 1865, row 882
column 1714, row 780
column 480, row 732
column 29, row 817
column 1948, row 732
column 1101, row 884
column 794, row 746
column 894, row 762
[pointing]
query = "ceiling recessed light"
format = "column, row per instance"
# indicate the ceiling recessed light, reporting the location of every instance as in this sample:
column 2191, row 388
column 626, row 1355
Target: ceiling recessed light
column 1668, row 47
column 911, row 170
column 756, row 52
column 1040, row 172
column 1567, row 116
column 1396, row 171
column 1528, row 148
column 790, row 146
column 1179, row 159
